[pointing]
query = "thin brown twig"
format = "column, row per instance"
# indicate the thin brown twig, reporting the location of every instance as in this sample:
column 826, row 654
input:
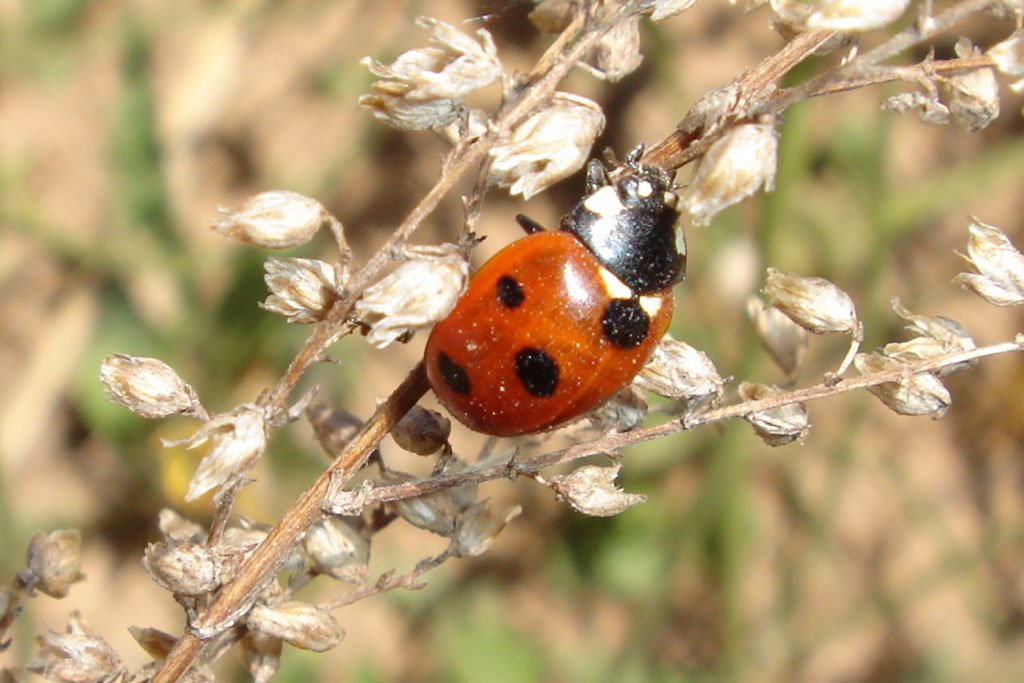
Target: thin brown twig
column 349, row 501
column 389, row 581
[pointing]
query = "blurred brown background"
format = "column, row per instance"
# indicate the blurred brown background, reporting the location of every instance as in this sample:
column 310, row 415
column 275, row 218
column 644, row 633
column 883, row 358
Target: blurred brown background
column 883, row 549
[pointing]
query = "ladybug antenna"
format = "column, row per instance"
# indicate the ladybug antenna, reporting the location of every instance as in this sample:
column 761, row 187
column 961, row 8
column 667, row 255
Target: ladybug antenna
column 529, row 225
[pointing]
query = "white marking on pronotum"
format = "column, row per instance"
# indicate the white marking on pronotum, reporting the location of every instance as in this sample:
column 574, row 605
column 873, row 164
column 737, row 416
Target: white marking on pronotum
column 616, row 288
column 651, row 305
column 605, row 202
column 644, row 189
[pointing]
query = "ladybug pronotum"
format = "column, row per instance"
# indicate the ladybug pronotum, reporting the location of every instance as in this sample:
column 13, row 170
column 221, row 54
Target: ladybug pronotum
column 557, row 322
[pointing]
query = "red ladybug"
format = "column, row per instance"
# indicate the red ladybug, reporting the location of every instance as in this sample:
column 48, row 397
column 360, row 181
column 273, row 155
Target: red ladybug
column 558, row 321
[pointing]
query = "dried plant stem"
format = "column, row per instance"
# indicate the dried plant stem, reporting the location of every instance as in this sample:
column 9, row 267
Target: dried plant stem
column 757, row 93
column 259, row 568
column 611, row 443
column 389, row 581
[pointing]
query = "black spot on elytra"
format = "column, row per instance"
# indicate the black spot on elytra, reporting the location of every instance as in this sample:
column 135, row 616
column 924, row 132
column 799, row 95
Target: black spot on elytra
column 453, row 374
column 537, row 371
column 624, row 323
column 510, row 292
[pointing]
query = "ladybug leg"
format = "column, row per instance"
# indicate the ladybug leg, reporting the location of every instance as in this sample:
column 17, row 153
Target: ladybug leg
column 633, row 158
column 529, row 225
column 597, row 177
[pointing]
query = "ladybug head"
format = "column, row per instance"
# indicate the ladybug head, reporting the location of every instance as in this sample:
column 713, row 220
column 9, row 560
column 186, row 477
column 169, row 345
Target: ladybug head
column 631, row 225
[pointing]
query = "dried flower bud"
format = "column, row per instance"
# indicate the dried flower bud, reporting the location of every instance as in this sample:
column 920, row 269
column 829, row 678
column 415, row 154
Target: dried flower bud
column 550, row 145
column 939, row 336
column 1008, row 56
column 183, row 568
column 814, row 303
column 336, row 548
column 783, row 339
column 453, row 66
column 174, row 527
column 148, row 387
column 680, row 372
column 973, row 96
column 918, row 394
column 404, row 114
column 929, row 109
column 623, row 412
column 418, row 293
column 155, row 642
column 776, row 426
column 663, row 9
column 301, row 289
column 237, row 438
column 479, row 528
column 591, row 490
column 278, row 219
column 261, row 654
column 1000, row 266
column 841, row 15
column 617, row 53
column 298, row 624
column 54, row 560
column 422, row 431
column 333, row 428
column 75, row 656
column 732, row 169
column 435, row 512
column 422, row 88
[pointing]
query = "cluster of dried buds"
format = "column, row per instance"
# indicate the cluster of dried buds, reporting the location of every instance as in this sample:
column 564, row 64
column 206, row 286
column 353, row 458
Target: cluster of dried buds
column 427, row 88
column 809, row 304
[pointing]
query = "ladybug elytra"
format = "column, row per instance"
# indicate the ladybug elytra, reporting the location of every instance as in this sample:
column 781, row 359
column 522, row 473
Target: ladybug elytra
column 557, row 322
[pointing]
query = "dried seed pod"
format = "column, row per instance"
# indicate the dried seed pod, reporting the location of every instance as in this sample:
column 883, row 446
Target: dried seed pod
column 550, row 145
column 783, row 339
column 422, row 431
column 916, row 394
column 625, row 411
column 75, row 656
column 261, row 654
column 939, row 336
column 813, row 303
column 1000, row 266
column 418, row 293
column 154, row 641
column 1008, row 56
column 278, row 219
column 591, row 490
column 183, row 568
column 973, row 96
column 435, row 512
column 929, row 108
column 174, row 527
column 54, row 560
column 617, row 53
column 237, row 438
column 299, row 624
column 148, row 387
column 732, row 169
column 336, row 548
column 422, row 88
column 842, row 15
column 663, row 9
column 333, row 427
column 301, row 289
column 680, row 372
column 776, row 426
column 479, row 528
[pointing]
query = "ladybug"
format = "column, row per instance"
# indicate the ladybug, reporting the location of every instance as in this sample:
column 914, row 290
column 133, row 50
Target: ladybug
column 557, row 322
